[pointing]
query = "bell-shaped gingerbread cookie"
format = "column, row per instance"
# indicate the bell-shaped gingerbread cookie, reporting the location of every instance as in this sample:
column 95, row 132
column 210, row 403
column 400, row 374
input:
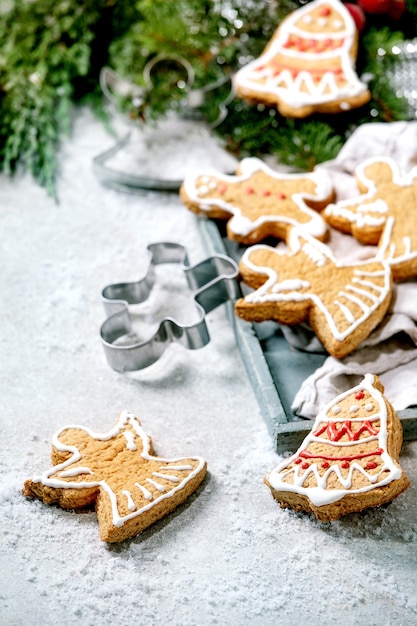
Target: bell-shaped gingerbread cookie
column 349, row 461
column 309, row 64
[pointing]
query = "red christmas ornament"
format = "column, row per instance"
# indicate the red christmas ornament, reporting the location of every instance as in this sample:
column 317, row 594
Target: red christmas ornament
column 358, row 15
column 375, row 6
column 397, row 9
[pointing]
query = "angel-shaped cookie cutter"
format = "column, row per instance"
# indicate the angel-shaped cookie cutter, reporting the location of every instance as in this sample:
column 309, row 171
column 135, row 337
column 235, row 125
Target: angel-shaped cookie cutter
column 214, row 282
column 115, row 87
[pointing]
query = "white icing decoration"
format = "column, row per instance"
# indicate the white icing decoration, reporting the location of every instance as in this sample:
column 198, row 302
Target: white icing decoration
column 50, row 477
column 155, row 484
column 378, row 206
column 290, row 284
column 172, row 479
column 367, row 283
column 315, row 254
column 267, row 293
column 355, row 300
column 360, row 218
column 178, row 468
column 146, row 494
column 241, row 224
column 387, row 249
column 320, row 495
column 363, row 292
column 75, row 471
column 336, row 409
column 301, row 90
column 369, row 406
column 130, row 438
column 346, row 311
column 354, row 408
column 130, row 502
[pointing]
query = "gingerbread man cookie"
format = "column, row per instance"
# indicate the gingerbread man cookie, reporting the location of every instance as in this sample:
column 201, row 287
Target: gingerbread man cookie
column 385, row 215
column 342, row 302
column 308, row 66
column 118, row 473
column 349, row 461
column 259, row 202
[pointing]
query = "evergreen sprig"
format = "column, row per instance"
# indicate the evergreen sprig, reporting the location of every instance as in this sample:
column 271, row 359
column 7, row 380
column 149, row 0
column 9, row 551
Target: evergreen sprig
column 47, row 54
column 219, row 37
column 51, row 53
column 379, row 44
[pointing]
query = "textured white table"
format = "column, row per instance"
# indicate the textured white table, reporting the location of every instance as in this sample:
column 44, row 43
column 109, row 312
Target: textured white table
column 230, row 556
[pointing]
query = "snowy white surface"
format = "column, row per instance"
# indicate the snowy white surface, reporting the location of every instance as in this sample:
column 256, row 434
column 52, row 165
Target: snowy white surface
column 229, row 556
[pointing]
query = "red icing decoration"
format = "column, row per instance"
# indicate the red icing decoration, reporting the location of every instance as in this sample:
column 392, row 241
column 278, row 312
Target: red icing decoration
column 281, row 196
column 311, row 45
column 309, row 455
column 266, row 193
column 325, row 464
column 345, row 464
column 335, row 433
column 325, row 11
column 249, row 190
column 297, row 461
column 359, row 396
column 371, row 465
column 305, row 465
column 222, row 188
column 316, row 74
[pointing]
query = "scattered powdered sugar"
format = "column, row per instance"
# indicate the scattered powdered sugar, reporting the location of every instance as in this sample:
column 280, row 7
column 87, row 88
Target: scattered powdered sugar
column 229, row 555
column 167, row 150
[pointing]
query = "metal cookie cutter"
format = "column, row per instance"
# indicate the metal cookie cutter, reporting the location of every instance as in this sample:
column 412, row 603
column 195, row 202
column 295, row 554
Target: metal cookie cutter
column 115, row 87
column 214, row 282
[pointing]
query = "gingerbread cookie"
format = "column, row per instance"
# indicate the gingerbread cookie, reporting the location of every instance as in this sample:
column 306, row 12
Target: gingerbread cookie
column 385, row 215
column 308, row 66
column 342, row 302
column 259, row 202
column 349, row 461
column 118, row 473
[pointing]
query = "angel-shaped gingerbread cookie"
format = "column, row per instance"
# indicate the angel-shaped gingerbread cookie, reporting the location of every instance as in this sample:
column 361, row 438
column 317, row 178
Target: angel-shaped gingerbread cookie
column 118, row 473
column 342, row 302
column 385, row 215
column 349, row 460
column 260, row 202
column 308, row 66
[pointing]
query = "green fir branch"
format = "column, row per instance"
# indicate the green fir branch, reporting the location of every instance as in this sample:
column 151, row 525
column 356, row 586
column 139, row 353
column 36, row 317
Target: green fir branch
column 51, row 53
column 46, row 52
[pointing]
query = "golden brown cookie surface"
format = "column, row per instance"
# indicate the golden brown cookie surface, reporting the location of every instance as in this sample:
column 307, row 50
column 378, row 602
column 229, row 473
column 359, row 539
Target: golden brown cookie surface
column 118, row 473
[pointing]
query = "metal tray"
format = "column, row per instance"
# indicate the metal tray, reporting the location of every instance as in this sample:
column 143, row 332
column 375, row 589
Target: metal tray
column 275, row 369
